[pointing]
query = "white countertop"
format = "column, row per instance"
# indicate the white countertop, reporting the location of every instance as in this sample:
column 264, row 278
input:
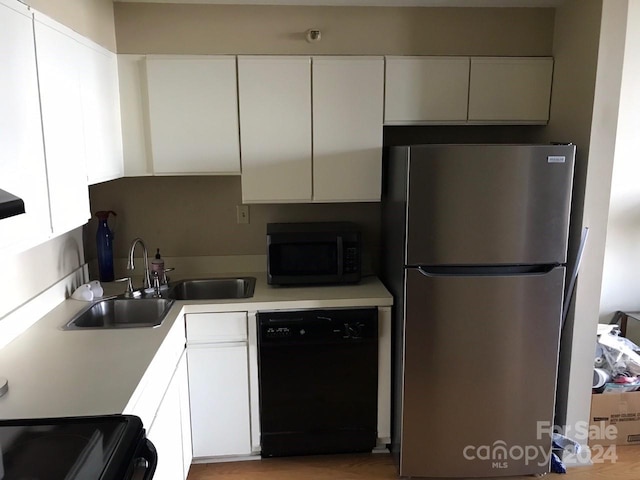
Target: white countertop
column 57, row 373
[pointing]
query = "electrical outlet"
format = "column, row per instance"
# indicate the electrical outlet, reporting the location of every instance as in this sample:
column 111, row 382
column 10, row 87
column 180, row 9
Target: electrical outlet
column 242, row 213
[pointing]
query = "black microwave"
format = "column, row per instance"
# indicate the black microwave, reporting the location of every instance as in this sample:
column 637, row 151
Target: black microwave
column 313, row 253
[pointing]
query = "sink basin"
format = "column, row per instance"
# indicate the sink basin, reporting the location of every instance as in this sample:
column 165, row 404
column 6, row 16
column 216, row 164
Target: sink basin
column 212, row 288
column 122, row 313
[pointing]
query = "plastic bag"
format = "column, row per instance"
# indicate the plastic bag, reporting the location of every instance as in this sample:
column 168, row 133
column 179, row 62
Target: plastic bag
column 560, row 443
column 619, row 354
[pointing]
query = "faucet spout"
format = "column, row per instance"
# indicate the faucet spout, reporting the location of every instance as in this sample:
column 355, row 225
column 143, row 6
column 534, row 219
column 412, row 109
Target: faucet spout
column 145, row 255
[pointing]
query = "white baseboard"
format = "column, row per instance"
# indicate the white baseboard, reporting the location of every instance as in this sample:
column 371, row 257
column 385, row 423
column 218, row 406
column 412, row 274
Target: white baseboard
column 229, row 458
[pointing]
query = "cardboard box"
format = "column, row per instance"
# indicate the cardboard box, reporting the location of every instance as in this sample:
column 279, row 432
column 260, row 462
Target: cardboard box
column 615, row 419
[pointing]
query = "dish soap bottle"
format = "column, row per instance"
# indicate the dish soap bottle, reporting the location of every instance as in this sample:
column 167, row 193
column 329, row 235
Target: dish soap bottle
column 157, row 265
column 104, row 242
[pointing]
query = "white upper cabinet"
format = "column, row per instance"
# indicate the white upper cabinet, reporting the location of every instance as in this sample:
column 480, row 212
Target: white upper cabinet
column 22, row 167
column 426, row 90
column 348, row 102
column 510, row 89
column 101, row 113
column 467, row 90
column 60, row 62
column 193, row 114
column 60, row 124
column 311, row 141
column 134, row 115
column 275, row 128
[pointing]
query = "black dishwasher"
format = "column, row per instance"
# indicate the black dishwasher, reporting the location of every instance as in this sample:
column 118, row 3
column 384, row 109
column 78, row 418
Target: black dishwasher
column 318, row 372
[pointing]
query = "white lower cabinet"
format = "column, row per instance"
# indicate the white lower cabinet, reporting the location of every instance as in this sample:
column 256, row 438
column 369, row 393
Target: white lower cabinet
column 218, row 360
column 162, row 403
column 166, row 435
column 219, row 399
column 169, row 432
column 185, row 415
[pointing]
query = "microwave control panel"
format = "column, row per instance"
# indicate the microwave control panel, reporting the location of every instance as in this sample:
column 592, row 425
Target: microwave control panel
column 351, row 260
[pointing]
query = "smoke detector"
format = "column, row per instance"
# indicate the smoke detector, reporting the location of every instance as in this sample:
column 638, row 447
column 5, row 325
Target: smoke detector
column 313, row 35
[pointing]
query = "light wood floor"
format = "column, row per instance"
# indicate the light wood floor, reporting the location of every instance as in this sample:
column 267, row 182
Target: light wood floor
column 381, row 467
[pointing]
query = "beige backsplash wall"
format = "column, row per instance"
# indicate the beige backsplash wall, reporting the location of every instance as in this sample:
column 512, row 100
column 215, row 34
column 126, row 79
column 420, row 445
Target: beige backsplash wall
column 244, row 29
column 91, row 18
column 196, row 216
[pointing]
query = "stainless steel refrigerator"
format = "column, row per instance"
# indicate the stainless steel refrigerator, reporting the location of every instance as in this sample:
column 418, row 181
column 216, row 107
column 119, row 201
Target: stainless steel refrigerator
column 474, row 252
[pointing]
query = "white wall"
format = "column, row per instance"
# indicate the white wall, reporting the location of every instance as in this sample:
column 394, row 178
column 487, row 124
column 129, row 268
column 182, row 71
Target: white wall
column 31, row 272
column 578, row 347
column 621, row 274
column 47, row 273
column 576, row 46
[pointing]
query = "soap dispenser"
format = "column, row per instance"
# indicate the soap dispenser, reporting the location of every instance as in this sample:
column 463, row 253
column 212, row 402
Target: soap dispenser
column 157, row 265
column 104, row 242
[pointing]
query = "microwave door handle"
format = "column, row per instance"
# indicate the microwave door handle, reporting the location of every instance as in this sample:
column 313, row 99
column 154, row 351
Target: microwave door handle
column 340, row 256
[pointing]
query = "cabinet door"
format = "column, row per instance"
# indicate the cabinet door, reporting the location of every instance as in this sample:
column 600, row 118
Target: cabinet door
column 510, row 89
column 193, row 114
column 185, row 414
column 219, row 394
column 216, row 327
column 101, row 114
column 166, row 434
column 348, row 97
column 59, row 64
column 22, row 166
column 423, row 90
column 275, row 128
column 134, row 112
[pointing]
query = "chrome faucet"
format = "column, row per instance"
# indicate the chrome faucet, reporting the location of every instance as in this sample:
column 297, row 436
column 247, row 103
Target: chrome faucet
column 130, row 266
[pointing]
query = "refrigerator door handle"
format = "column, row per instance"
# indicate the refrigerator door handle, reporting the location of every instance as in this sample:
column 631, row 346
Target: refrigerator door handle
column 488, row 270
column 424, row 272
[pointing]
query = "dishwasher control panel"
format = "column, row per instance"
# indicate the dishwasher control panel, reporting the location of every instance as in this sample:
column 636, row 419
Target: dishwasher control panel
column 304, row 326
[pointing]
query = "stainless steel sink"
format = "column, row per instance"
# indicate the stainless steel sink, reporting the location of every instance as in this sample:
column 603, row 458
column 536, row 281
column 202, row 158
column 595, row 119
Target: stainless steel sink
column 122, row 313
column 212, row 288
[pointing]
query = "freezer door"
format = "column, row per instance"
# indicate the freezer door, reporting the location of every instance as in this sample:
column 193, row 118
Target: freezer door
column 488, row 204
column 480, row 363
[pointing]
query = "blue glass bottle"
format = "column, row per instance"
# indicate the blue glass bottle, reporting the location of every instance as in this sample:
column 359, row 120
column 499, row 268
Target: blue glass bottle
column 104, row 241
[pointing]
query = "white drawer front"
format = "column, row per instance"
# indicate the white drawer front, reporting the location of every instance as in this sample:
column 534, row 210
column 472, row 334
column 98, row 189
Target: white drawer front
column 216, row 327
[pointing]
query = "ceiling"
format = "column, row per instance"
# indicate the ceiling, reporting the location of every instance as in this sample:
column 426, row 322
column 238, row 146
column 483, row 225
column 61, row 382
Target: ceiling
column 371, row 3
